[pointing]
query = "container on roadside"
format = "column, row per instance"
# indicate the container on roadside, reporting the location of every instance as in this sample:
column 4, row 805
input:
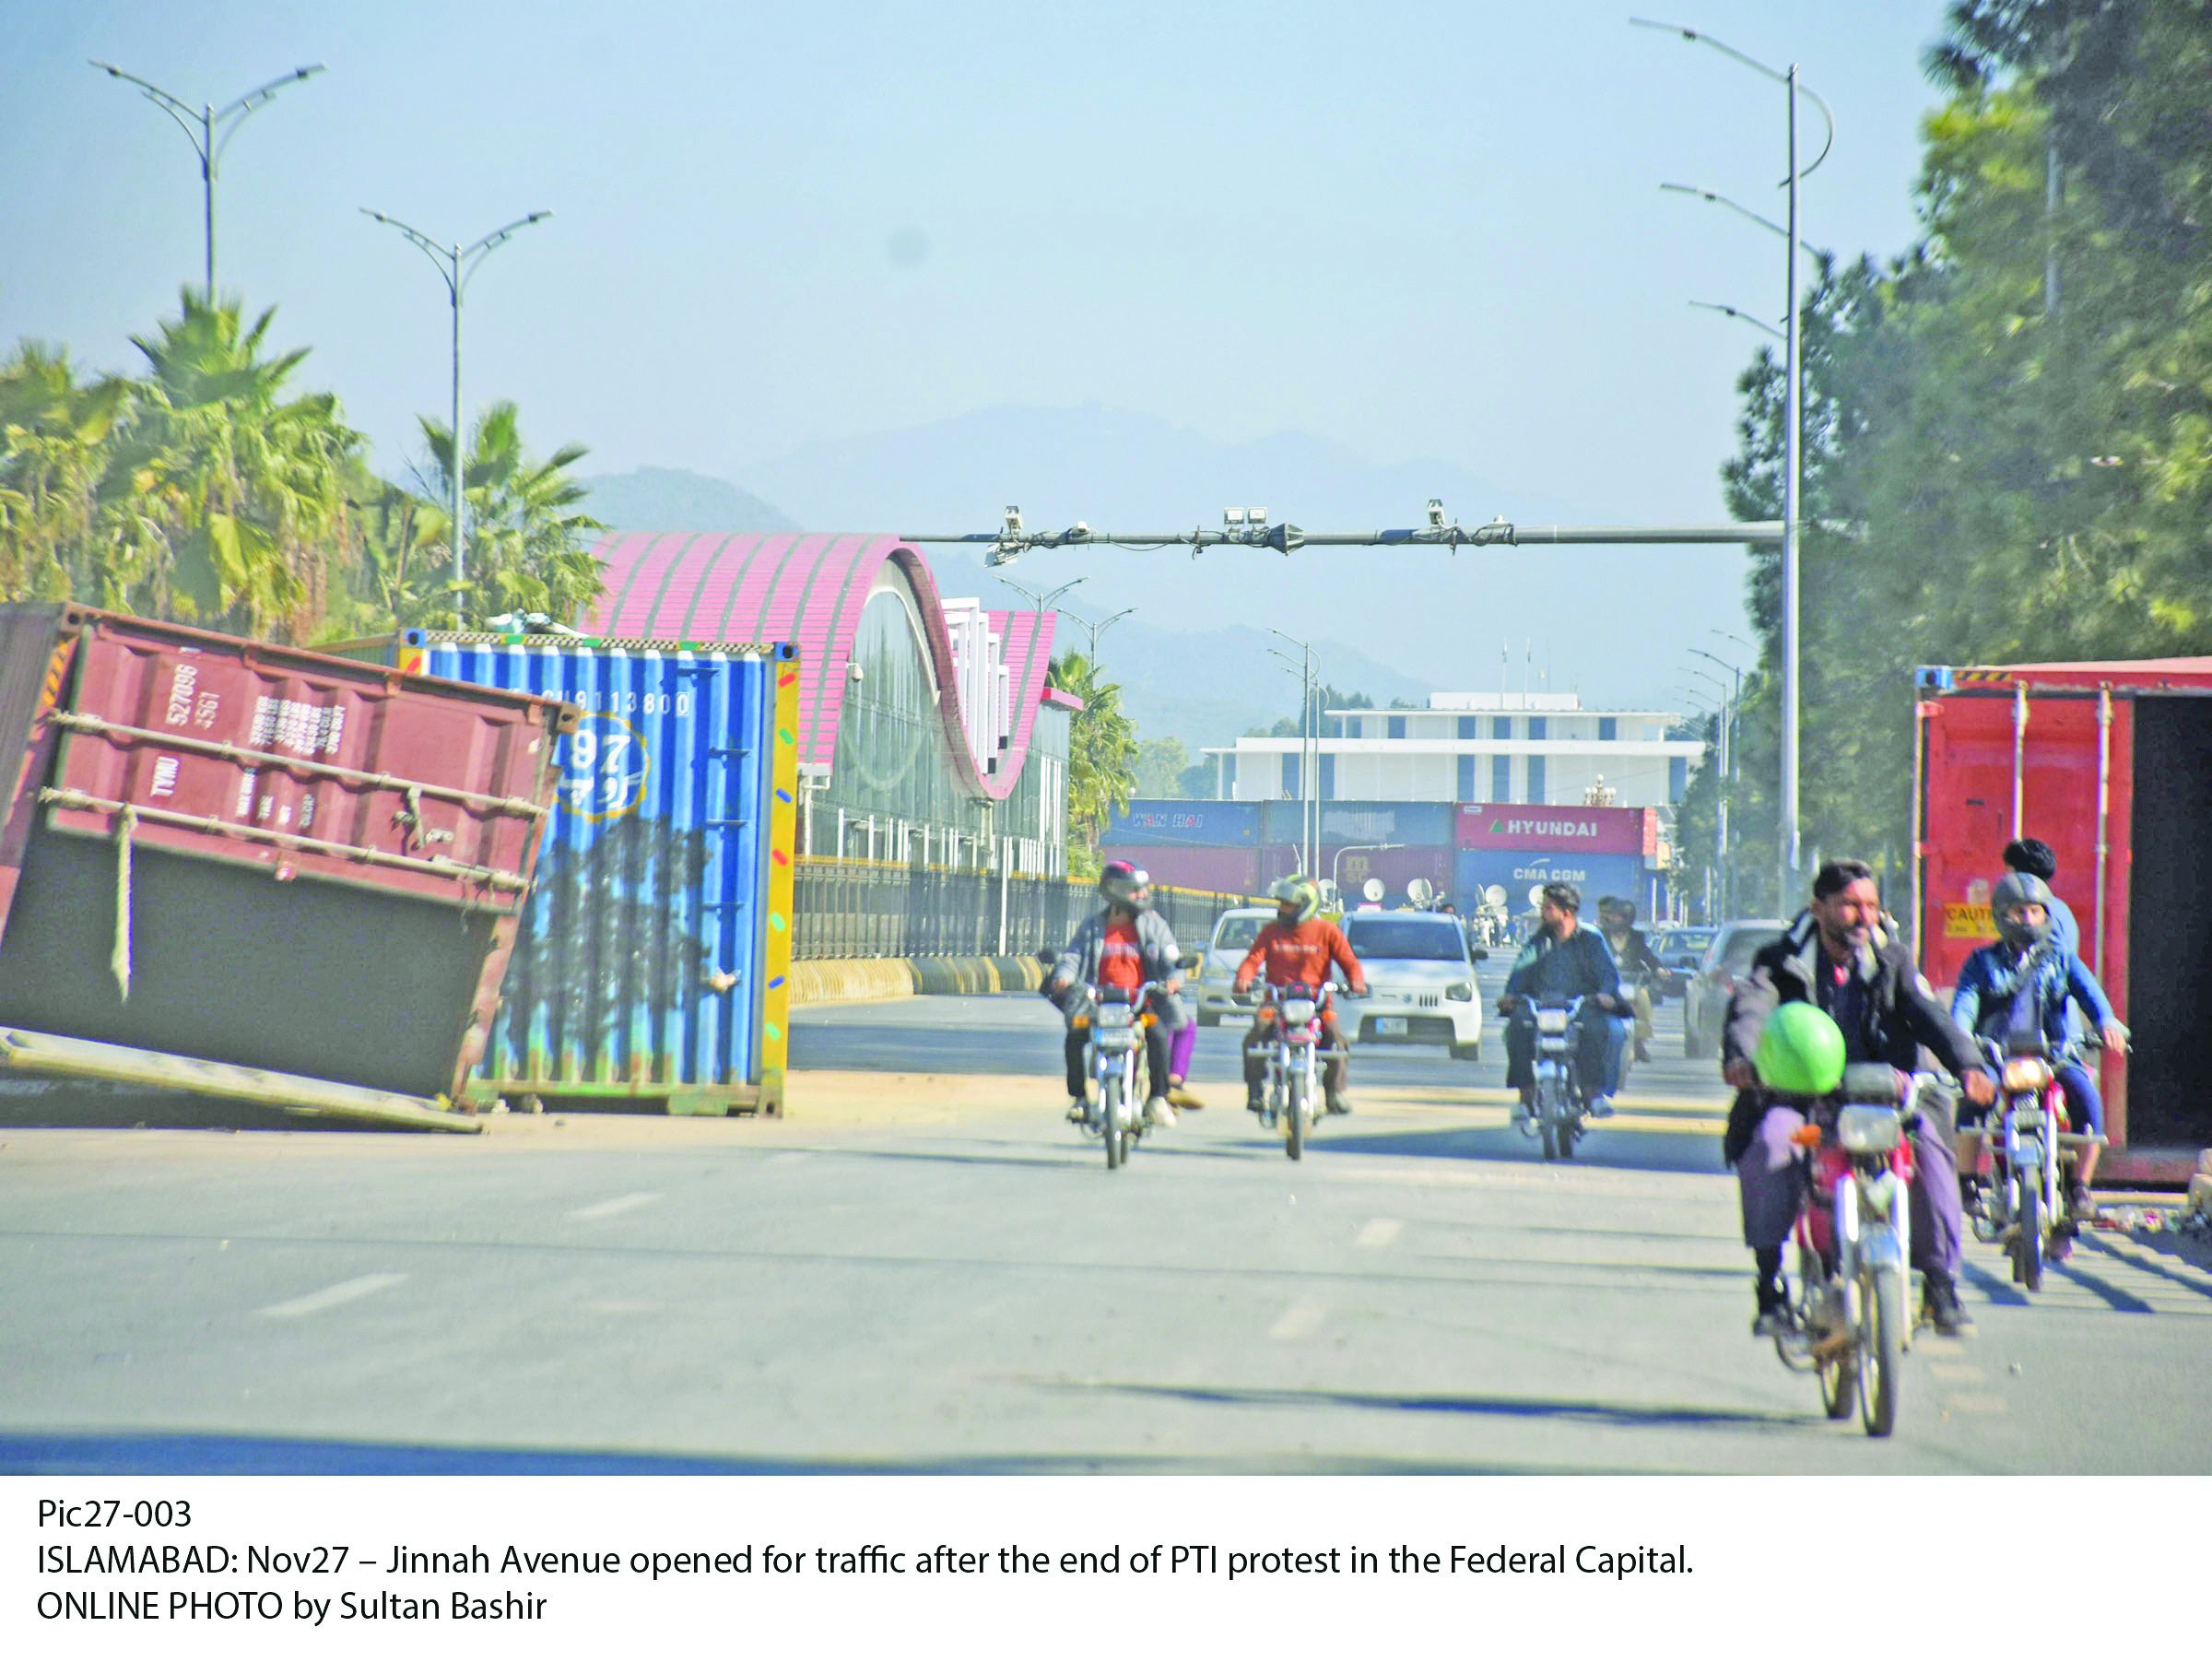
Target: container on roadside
column 2111, row 764
column 255, row 871
column 652, row 965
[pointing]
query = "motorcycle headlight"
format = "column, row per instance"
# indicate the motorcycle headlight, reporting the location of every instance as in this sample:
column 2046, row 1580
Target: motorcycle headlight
column 2026, row 1075
column 1551, row 1020
column 1869, row 1129
column 1115, row 1017
column 1297, row 1011
column 1460, row 991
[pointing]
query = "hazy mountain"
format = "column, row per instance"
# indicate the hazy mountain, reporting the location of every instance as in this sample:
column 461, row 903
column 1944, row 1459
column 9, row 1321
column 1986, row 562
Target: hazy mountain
column 1610, row 621
column 654, row 498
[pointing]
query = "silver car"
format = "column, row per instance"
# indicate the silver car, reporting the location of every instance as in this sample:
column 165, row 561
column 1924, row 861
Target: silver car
column 1420, row 980
column 1225, row 951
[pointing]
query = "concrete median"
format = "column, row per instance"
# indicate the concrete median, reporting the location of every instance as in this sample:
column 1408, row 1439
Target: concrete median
column 835, row 982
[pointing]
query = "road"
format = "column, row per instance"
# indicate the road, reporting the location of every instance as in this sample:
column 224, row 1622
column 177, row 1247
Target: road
column 926, row 1268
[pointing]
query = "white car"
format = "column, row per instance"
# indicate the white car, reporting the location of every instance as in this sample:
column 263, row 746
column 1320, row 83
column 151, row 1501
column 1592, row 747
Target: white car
column 1224, row 952
column 1420, row 980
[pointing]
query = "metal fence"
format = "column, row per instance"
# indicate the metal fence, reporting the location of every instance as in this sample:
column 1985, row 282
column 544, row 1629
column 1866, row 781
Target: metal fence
column 868, row 909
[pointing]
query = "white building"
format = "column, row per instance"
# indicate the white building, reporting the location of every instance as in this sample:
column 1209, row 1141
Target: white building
column 1476, row 747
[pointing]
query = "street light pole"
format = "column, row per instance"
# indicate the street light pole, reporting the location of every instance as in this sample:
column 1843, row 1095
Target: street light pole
column 456, row 265
column 1793, row 421
column 1097, row 628
column 205, row 141
column 1309, row 758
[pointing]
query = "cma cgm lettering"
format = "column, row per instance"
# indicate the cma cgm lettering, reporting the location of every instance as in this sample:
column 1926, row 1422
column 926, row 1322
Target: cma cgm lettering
column 1518, row 872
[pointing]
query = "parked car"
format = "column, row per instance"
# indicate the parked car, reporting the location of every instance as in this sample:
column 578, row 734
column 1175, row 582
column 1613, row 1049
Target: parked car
column 1681, row 949
column 1420, row 980
column 1727, row 962
column 1225, row 951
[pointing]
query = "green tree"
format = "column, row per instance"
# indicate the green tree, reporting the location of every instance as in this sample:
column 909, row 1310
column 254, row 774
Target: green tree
column 1102, row 753
column 1160, row 765
column 529, row 546
column 54, row 438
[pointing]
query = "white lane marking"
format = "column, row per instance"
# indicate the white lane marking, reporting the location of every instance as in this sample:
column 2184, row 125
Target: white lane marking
column 1302, row 1319
column 1981, row 1404
column 351, row 1290
column 1958, row 1373
column 1377, row 1233
column 615, row 1206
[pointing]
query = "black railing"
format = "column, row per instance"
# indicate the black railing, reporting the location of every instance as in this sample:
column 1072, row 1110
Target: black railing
column 871, row 909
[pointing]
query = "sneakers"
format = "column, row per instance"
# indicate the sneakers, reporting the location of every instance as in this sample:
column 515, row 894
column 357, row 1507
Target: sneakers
column 1158, row 1112
column 1945, row 1311
column 1773, row 1317
column 2081, row 1207
column 1643, row 1052
column 1339, row 1105
column 1256, row 1102
column 1182, row 1098
column 1600, row 1106
column 1077, row 1113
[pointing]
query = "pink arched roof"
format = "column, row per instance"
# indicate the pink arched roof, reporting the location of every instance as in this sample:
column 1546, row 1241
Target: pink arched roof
column 721, row 589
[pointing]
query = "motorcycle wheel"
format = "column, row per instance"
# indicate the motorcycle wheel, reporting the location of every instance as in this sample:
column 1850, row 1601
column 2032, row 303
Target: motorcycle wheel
column 1882, row 1349
column 1294, row 1118
column 2028, row 1248
column 1567, row 1132
column 1840, row 1373
column 1110, row 1120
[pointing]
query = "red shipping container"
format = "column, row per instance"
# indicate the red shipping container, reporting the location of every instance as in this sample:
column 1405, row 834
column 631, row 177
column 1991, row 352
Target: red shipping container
column 259, row 857
column 1223, row 871
column 2111, row 764
column 1560, row 829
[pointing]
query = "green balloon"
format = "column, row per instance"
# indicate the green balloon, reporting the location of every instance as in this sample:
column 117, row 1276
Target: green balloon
column 1800, row 1051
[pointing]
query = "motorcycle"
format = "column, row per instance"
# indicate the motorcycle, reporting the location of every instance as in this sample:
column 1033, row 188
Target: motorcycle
column 1848, row 1323
column 1294, row 1055
column 1113, row 1059
column 2023, row 1203
column 1561, row 1100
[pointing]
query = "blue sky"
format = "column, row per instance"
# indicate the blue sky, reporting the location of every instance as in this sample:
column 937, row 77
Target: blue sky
column 1424, row 231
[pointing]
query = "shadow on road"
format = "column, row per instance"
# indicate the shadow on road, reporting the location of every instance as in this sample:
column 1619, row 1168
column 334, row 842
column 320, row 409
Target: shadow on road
column 1638, row 1151
column 1629, row 1414
column 146, row 1453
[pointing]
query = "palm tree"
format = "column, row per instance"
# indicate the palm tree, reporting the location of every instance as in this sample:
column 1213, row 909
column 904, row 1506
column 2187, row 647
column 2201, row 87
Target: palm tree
column 54, row 435
column 227, row 501
column 1101, row 756
column 529, row 547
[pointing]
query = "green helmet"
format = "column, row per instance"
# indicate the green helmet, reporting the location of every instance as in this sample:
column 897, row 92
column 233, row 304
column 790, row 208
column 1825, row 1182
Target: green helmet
column 1800, row 1051
column 1303, row 893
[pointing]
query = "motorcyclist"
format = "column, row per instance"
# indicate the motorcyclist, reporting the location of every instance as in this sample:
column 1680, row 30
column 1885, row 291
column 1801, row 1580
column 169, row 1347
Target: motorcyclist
column 2021, row 982
column 1124, row 945
column 1841, row 956
column 1566, row 957
column 1299, row 947
column 1637, row 962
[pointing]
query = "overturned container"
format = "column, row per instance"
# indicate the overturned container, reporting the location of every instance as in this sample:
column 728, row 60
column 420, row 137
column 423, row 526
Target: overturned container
column 256, row 872
column 653, row 963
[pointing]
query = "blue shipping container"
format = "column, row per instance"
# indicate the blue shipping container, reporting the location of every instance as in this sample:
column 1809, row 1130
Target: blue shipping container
column 654, row 953
column 1415, row 825
column 1518, row 871
column 1174, row 822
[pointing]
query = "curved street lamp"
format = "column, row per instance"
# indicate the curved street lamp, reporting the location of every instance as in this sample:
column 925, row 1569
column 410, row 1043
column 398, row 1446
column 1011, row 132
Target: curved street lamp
column 456, row 265
column 206, row 142
column 1792, row 420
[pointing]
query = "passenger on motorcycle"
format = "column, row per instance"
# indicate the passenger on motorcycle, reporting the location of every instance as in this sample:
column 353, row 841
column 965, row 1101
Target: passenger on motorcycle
column 2033, row 857
column 1299, row 947
column 1124, row 945
column 1566, row 957
column 1841, row 956
column 2021, row 983
column 1637, row 962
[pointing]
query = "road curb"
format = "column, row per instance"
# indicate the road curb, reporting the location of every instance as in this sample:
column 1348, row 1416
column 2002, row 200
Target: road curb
column 833, row 981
